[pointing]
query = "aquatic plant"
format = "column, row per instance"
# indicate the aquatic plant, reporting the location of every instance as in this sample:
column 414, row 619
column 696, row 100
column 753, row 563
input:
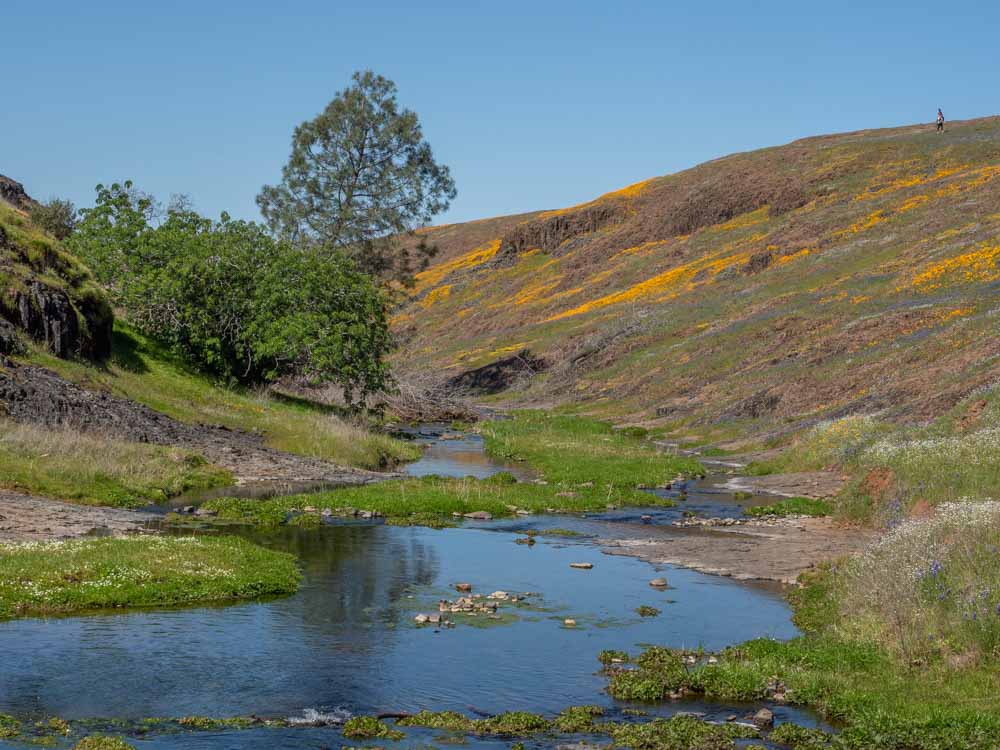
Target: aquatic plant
column 368, row 727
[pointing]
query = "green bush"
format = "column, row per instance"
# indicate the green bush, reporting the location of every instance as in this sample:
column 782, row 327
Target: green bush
column 232, row 300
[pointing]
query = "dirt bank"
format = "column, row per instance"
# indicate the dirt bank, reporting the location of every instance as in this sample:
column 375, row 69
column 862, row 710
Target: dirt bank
column 770, row 550
column 24, row 518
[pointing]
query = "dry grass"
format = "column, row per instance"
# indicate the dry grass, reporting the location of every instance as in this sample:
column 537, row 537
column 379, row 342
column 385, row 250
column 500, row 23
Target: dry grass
column 929, row 587
column 93, row 470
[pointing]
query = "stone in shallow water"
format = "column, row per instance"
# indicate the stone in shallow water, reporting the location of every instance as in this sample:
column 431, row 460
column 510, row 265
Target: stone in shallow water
column 581, row 565
column 463, row 587
column 658, row 583
column 479, row 515
column 569, row 623
column 763, row 719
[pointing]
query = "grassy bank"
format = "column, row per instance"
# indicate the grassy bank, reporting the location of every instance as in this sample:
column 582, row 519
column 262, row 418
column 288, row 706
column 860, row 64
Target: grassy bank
column 898, row 470
column 902, row 645
column 568, row 450
column 144, row 372
column 584, row 466
column 43, row 578
column 430, row 501
column 87, row 469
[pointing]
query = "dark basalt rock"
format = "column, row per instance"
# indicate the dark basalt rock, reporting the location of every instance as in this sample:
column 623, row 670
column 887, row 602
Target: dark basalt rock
column 67, row 322
column 13, row 193
column 498, row 376
column 551, row 233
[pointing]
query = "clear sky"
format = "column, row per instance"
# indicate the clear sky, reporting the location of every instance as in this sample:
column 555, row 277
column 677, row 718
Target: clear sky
column 532, row 104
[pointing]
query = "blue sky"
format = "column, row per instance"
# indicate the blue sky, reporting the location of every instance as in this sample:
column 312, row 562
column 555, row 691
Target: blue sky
column 532, row 104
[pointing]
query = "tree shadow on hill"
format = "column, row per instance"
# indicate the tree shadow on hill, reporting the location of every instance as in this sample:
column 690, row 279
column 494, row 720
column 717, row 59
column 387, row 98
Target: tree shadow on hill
column 125, row 353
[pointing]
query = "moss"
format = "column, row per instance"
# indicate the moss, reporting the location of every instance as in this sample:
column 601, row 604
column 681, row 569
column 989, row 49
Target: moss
column 800, row 738
column 577, row 719
column 448, row 720
column 646, row 611
column 9, row 726
column 517, row 723
column 102, row 742
column 368, row 727
column 677, row 733
column 56, row 725
column 610, row 656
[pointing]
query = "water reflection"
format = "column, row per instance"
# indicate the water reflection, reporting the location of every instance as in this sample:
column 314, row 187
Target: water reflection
column 348, row 638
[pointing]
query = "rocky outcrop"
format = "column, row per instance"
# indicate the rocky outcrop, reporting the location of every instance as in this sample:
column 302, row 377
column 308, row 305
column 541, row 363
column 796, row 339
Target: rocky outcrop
column 48, row 316
column 13, row 193
column 45, row 293
column 497, row 376
column 550, row 233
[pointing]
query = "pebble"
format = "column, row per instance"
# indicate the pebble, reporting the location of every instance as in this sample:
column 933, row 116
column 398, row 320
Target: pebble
column 569, row 623
column 646, row 519
column 582, row 566
column 421, row 619
column 658, row 583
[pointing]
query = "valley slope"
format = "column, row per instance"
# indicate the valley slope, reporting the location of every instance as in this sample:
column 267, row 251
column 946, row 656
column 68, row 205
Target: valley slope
column 753, row 294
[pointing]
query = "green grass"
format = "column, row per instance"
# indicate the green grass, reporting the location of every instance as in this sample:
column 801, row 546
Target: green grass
column 429, row 501
column 585, row 464
column 87, row 469
column 792, row 506
column 144, row 372
column 44, row 578
column 572, row 450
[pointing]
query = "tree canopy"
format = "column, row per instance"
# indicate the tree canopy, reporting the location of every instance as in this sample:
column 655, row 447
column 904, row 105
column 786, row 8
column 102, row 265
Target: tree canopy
column 360, row 177
column 232, row 299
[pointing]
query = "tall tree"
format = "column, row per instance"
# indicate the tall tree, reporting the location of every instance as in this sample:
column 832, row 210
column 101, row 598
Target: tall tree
column 360, row 178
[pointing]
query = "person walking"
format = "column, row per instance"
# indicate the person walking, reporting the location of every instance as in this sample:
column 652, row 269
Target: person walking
column 940, row 120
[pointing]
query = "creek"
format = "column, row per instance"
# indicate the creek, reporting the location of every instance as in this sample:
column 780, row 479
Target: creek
column 347, row 642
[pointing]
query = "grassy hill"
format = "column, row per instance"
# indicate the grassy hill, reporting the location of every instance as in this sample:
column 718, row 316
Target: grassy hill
column 755, row 294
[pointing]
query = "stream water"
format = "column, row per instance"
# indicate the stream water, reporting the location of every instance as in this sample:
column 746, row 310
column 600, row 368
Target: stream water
column 347, row 641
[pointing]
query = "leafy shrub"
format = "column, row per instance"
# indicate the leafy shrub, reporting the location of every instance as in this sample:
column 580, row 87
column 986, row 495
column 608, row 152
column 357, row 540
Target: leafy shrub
column 232, row 300
column 56, row 216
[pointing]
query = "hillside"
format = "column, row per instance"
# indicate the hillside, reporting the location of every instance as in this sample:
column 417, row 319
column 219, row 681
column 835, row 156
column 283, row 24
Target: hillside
column 757, row 293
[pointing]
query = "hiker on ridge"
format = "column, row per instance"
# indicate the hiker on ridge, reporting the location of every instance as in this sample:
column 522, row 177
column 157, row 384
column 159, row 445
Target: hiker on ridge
column 940, row 120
